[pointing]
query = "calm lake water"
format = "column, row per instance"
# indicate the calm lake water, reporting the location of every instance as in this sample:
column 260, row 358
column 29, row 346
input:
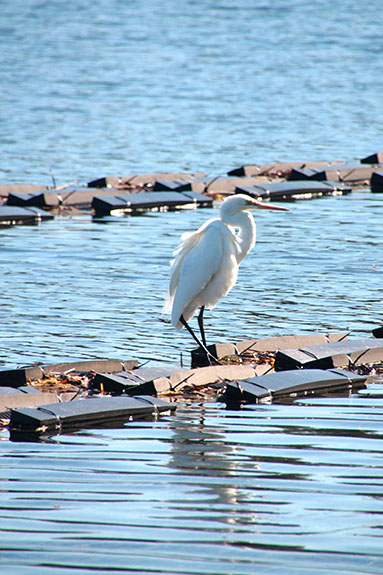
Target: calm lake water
column 117, row 88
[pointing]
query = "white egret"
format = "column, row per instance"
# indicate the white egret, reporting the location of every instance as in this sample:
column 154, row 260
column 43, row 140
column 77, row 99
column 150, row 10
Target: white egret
column 205, row 266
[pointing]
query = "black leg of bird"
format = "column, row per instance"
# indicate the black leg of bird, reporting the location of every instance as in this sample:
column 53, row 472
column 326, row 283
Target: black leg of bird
column 201, row 327
column 210, row 357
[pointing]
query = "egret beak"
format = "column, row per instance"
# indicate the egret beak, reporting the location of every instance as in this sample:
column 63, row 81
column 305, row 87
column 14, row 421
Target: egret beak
column 258, row 204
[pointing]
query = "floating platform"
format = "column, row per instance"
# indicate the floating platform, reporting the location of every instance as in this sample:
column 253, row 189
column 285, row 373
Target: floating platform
column 14, row 215
column 226, row 186
column 277, row 191
column 212, row 186
column 21, row 376
column 158, row 380
column 265, row 369
column 71, row 415
column 288, row 384
column 7, row 189
column 178, row 185
column 352, row 352
column 273, row 344
column 140, row 180
column 140, row 202
column 28, row 396
column 51, row 199
column 274, row 169
column 356, row 174
column 247, row 350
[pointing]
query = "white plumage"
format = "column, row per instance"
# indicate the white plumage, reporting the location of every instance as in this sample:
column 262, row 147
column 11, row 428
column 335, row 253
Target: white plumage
column 205, row 266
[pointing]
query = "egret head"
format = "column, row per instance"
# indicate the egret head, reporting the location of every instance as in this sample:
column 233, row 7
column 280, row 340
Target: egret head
column 241, row 202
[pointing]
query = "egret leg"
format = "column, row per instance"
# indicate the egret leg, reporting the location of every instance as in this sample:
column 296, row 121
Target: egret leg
column 202, row 345
column 201, row 327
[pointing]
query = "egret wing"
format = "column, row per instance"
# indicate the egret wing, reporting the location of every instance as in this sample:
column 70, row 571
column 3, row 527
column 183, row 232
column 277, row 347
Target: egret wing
column 196, row 262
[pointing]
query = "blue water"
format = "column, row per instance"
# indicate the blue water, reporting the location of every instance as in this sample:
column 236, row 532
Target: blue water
column 89, row 89
column 78, row 288
column 119, row 87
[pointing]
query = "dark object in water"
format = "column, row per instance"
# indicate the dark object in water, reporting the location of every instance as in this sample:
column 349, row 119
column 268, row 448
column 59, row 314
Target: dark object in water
column 292, row 383
column 378, row 332
column 58, row 417
column 376, row 158
column 376, row 182
column 219, row 350
column 172, row 185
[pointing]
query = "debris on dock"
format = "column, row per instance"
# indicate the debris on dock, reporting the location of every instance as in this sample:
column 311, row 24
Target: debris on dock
column 24, row 375
column 261, row 350
column 170, row 380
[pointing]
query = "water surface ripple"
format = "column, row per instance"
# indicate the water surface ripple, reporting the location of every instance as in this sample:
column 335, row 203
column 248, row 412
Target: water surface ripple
column 114, row 87
column 283, row 488
column 75, row 288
